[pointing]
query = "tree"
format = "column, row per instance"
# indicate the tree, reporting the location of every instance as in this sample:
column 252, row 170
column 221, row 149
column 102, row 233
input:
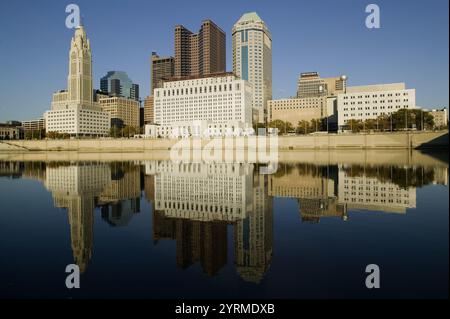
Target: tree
column 303, row 127
column 114, row 131
column 355, row 125
column 412, row 119
column 281, row 126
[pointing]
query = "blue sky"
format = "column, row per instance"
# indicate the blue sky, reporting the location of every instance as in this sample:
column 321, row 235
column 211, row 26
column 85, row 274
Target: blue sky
column 327, row 36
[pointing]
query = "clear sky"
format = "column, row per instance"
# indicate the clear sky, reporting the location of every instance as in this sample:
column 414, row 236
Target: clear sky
column 327, row 36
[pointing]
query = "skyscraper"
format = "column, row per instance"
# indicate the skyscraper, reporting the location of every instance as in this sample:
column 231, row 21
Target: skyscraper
column 252, row 59
column 310, row 84
column 161, row 68
column 117, row 83
column 200, row 53
column 74, row 111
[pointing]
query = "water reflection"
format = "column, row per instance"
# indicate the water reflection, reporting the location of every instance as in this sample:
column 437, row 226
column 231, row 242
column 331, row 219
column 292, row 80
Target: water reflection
column 197, row 205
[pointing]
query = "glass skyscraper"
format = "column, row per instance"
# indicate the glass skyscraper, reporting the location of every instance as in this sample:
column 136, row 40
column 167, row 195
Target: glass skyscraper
column 117, row 83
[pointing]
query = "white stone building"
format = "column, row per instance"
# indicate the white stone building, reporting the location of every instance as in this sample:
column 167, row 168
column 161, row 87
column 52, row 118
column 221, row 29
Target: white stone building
column 252, row 59
column 74, row 111
column 371, row 101
column 213, row 105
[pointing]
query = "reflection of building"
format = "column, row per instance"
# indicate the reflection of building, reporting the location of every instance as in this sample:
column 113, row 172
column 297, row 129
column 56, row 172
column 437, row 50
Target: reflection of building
column 204, row 192
column 252, row 59
column 194, row 203
column 312, row 210
column 359, row 191
column 74, row 187
column 204, row 242
column 120, row 199
column 314, row 188
column 254, row 235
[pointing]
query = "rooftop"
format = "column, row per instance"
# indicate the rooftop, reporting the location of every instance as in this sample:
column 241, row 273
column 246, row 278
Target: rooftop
column 194, row 77
column 250, row 17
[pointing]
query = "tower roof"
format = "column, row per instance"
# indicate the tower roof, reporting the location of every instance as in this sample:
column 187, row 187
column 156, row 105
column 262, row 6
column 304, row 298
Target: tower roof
column 250, row 17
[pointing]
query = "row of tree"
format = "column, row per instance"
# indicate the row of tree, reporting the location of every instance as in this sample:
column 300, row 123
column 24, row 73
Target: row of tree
column 303, row 127
column 401, row 120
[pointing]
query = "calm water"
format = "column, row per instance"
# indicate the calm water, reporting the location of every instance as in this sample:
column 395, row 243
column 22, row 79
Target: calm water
column 158, row 229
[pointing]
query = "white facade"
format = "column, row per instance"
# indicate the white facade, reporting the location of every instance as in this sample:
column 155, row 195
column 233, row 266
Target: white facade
column 216, row 105
column 363, row 192
column 73, row 111
column 252, row 59
column 202, row 191
column 371, row 101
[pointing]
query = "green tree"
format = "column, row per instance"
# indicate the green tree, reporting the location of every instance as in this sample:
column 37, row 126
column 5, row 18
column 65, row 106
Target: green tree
column 283, row 127
column 114, row 131
column 355, row 125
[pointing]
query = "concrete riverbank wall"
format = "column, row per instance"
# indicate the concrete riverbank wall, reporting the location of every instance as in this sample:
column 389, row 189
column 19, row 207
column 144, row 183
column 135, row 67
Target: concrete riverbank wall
column 398, row 140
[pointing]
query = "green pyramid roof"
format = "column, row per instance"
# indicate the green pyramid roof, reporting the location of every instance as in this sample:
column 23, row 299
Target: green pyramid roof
column 250, row 17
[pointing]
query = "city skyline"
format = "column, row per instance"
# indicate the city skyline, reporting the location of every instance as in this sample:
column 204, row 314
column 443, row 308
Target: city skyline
column 390, row 43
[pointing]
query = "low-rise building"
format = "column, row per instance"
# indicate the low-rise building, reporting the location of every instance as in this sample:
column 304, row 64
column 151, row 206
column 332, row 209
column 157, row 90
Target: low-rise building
column 371, row 101
column 440, row 118
column 216, row 104
column 123, row 109
column 295, row 110
column 9, row 131
column 34, row 125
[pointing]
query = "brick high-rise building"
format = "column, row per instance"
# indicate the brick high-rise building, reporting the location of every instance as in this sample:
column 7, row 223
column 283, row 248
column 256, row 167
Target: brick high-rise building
column 161, row 68
column 200, row 53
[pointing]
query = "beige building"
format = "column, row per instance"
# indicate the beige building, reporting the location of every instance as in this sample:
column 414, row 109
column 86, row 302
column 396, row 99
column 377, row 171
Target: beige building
column 9, row 132
column 200, row 53
column 149, row 111
column 73, row 111
column 440, row 118
column 295, row 110
column 121, row 108
column 310, row 84
column 33, row 125
column 370, row 193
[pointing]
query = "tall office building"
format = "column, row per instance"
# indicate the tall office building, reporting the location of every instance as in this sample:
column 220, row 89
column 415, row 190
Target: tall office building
column 310, row 84
column 217, row 105
column 117, row 83
column 74, row 111
column 200, row 53
column 252, row 59
column 161, row 68
column 149, row 111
